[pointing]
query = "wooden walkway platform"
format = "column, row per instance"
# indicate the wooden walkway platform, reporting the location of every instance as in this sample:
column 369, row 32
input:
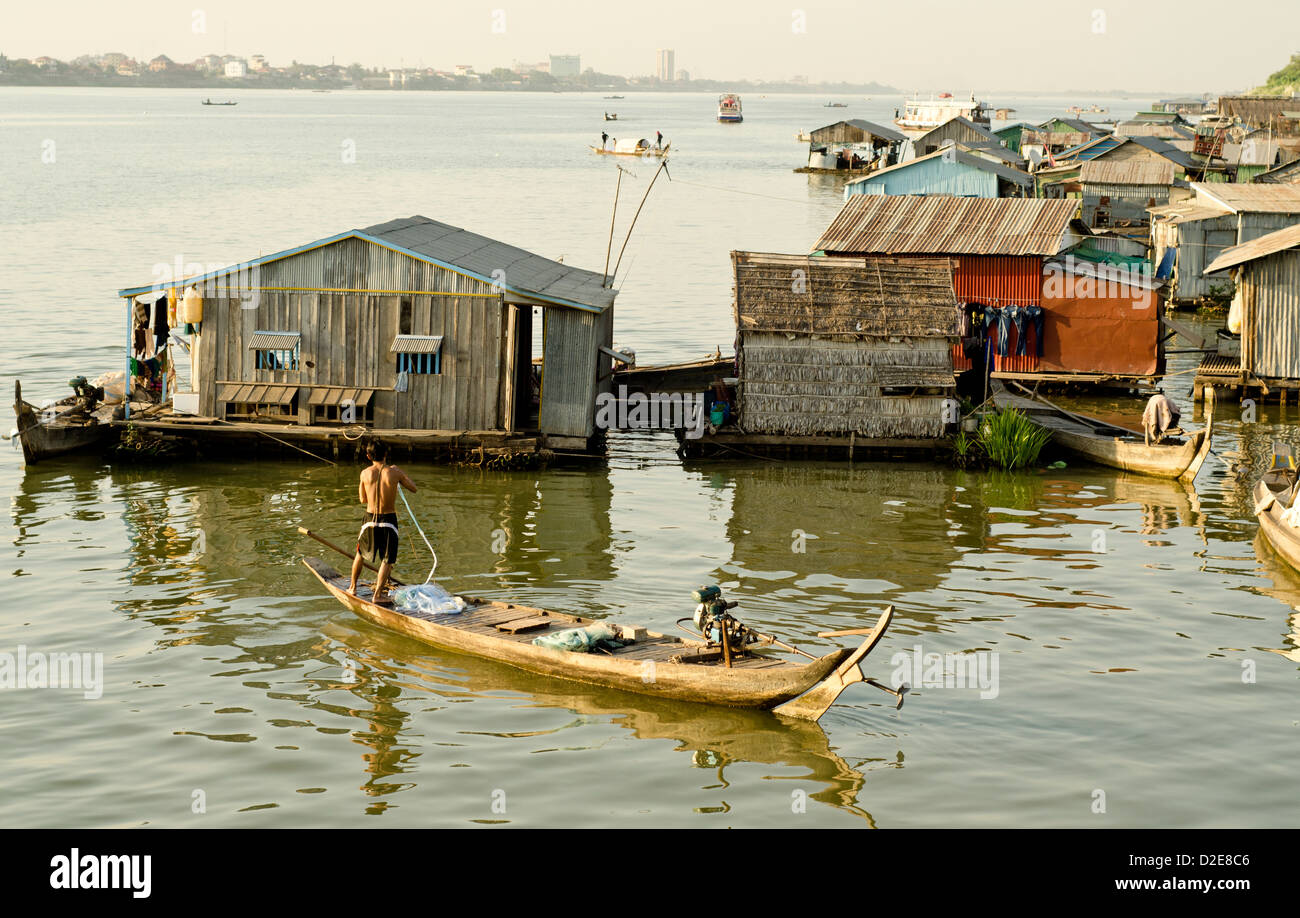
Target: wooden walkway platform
column 1221, row 372
column 216, row 436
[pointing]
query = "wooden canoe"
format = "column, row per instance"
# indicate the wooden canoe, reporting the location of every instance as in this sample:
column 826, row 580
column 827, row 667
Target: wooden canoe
column 1117, row 447
column 1273, row 493
column 648, row 152
column 67, row 432
column 656, row 664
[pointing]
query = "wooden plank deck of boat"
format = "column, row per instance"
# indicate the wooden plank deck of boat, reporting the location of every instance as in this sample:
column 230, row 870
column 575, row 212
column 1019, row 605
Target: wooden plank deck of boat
column 484, row 616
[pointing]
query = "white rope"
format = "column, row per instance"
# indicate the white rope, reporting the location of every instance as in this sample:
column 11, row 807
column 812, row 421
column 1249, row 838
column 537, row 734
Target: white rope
column 421, row 532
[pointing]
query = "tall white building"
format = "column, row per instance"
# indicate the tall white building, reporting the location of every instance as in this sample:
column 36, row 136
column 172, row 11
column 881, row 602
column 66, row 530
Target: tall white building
column 664, row 70
column 566, row 65
column 236, row 69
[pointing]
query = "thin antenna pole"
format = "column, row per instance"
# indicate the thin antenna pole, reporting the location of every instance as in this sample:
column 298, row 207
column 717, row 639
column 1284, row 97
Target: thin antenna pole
column 663, row 166
column 609, row 247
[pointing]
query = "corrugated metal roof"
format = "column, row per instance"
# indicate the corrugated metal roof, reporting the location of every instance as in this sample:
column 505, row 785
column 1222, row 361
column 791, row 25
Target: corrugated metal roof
column 870, row 127
column 1262, row 198
column 274, row 341
column 1075, row 124
column 937, row 224
column 1186, row 211
column 1127, row 172
column 993, row 149
column 523, row 272
column 1165, row 149
column 965, row 122
column 1276, row 241
column 1024, row 179
column 416, row 344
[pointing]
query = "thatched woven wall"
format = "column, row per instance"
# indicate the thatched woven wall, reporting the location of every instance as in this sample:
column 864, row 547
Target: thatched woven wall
column 840, row 345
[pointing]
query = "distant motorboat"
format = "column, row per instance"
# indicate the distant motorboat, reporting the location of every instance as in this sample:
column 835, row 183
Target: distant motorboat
column 611, row 116
column 837, row 105
column 210, row 102
column 729, row 108
column 613, row 97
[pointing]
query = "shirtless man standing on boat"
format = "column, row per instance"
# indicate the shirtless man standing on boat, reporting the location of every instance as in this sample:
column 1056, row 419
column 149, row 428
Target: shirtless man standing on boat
column 377, row 542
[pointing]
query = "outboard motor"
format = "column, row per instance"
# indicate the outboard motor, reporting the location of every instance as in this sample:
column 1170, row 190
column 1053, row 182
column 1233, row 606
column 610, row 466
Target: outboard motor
column 714, row 620
column 88, row 396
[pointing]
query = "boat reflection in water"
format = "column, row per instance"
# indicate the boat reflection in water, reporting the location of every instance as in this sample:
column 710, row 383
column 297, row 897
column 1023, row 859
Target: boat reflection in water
column 716, row 738
column 1284, row 587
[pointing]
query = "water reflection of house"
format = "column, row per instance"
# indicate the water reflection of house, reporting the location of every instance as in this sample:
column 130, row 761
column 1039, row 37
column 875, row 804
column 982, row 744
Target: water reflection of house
column 890, row 530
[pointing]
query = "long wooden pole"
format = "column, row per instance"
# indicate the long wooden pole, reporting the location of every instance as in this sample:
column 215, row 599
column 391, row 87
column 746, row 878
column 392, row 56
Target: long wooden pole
column 328, row 544
column 663, row 164
column 609, row 247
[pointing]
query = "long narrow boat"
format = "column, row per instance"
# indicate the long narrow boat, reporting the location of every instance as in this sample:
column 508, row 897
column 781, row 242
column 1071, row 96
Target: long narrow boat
column 650, row 664
column 1274, row 494
column 1107, row 444
column 632, row 148
column 66, row 431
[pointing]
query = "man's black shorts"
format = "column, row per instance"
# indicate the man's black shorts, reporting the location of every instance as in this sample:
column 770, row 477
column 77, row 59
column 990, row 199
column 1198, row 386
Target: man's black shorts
column 378, row 539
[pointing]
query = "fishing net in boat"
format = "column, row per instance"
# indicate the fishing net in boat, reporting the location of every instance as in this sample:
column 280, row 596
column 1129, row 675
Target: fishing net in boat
column 428, row 598
column 579, row 640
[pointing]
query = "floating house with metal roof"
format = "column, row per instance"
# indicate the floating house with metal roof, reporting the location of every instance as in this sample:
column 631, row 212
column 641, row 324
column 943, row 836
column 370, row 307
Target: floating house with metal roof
column 413, row 329
column 1186, row 236
column 951, row 171
column 1008, row 272
column 1119, row 193
column 1266, row 272
column 835, row 146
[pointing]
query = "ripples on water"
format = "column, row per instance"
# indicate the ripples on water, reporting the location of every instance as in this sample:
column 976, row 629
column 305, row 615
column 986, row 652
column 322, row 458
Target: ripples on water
column 230, row 674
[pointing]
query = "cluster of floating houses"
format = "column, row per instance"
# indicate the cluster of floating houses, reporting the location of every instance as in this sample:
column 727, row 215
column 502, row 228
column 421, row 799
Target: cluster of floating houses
column 1043, row 254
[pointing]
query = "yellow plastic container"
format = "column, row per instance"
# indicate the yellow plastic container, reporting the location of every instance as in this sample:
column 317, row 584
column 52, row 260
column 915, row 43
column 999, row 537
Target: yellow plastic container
column 191, row 308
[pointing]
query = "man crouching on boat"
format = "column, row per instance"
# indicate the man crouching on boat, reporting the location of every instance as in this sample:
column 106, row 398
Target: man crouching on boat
column 377, row 542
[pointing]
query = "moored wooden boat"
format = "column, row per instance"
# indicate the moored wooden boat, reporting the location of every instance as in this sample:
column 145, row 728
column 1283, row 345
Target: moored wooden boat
column 1117, row 447
column 1274, row 493
column 652, row 664
column 67, row 431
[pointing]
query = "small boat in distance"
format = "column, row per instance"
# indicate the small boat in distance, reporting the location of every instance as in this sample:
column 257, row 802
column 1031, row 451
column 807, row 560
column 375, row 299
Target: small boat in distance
column 729, row 108
column 837, row 105
column 611, row 116
column 210, row 102
column 632, row 148
column 613, row 97
column 1106, row 444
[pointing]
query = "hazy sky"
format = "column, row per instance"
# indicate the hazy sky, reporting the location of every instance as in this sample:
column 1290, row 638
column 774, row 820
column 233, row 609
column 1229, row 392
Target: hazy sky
column 990, row 45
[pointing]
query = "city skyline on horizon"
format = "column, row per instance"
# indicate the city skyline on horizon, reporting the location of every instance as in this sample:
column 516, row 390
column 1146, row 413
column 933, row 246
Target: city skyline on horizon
column 771, row 43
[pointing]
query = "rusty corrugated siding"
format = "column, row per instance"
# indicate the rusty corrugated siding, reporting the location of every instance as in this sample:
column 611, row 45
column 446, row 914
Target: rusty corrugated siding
column 935, row 224
column 1271, row 288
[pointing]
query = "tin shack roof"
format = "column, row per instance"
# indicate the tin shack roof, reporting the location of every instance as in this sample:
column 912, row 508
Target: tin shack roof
column 1016, row 176
column 1263, row 198
column 1127, row 172
column 869, row 128
column 941, row 225
column 524, row 274
column 1276, row 241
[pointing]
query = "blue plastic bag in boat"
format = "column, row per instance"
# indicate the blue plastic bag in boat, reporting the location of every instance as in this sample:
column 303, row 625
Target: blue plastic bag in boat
column 429, row 598
column 577, row 640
